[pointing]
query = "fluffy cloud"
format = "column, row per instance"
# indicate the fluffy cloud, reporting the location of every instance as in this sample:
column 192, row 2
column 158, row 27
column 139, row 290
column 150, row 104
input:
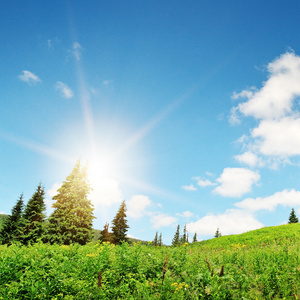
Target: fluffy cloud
column 189, row 187
column 235, row 182
column 233, row 221
column 285, row 198
column 275, row 99
column 249, row 158
column 136, row 206
column 204, row 183
column 162, row 220
column 29, row 77
column 64, row 90
column 185, row 214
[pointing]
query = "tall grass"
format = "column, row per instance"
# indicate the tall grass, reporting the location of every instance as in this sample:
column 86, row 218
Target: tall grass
column 262, row 264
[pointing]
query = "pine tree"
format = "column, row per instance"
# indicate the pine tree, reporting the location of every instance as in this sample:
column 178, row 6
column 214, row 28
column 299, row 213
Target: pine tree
column 293, row 218
column 155, row 241
column 175, row 241
column 72, row 218
column 120, row 226
column 160, row 240
column 217, row 233
column 195, row 238
column 184, row 238
column 12, row 227
column 34, row 217
column 106, row 236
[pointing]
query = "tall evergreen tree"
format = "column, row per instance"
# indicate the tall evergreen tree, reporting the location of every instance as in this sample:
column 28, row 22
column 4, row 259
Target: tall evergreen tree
column 120, row 226
column 12, row 227
column 34, row 217
column 195, row 237
column 160, row 240
column 155, row 241
column 72, row 218
column 184, row 238
column 175, row 241
column 106, row 236
column 293, row 218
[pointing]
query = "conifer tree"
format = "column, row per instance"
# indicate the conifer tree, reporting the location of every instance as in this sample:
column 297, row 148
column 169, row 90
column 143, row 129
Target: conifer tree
column 217, row 233
column 34, row 217
column 155, row 241
column 160, row 240
column 120, row 226
column 72, row 218
column 293, row 218
column 106, row 236
column 184, row 238
column 175, row 241
column 12, row 227
column 195, row 238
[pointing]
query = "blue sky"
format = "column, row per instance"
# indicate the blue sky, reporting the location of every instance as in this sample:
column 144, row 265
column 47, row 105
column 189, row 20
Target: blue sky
column 188, row 110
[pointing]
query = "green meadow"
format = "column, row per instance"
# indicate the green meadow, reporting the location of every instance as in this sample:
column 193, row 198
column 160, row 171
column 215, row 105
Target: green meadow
column 260, row 264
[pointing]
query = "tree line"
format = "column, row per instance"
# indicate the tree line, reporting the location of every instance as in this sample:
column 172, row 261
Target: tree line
column 70, row 222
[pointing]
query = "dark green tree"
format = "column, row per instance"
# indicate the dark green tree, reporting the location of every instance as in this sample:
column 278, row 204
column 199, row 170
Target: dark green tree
column 217, row 233
column 195, row 238
column 184, row 238
column 155, row 241
column 120, row 226
column 34, row 217
column 12, row 227
column 72, row 218
column 106, row 236
column 176, row 238
column 160, row 240
column 293, row 218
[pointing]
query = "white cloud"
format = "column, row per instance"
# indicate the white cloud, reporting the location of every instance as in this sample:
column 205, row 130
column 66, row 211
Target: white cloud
column 249, row 158
column 136, row 206
column 285, row 198
column 243, row 94
column 107, row 82
column 76, row 50
column 64, row 90
column 185, row 214
column 29, row 77
column 2, row 213
column 162, row 220
column 278, row 137
column 53, row 190
column 235, row 182
column 189, row 187
column 204, row 183
column 275, row 99
column 233, row 221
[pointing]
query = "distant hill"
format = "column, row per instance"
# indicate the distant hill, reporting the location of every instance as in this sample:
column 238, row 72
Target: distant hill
column 2, row 219
column 263, row 236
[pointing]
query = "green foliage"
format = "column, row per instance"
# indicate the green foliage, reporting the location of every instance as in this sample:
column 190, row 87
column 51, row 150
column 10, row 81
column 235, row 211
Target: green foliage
column 261, row 264
column 217, row 233
column 293, row 218
column 3, row 219
column 71, row 221
column 155, row 241
column 12, row 225
column 120, row 226
column 106, row 236
column 195, row 237
column 175, row 241
column 33, row 220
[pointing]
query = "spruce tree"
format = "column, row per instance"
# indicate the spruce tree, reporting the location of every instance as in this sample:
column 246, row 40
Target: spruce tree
column 34, row 217
column 293, row 218
column 175, row 241
column 106, row 236
column 12, row 227
column 120, row 226
column 184, row 238
column 195, row 238
column 72, row 218
column 217, row 233
column 155, row 241
column 160, row 240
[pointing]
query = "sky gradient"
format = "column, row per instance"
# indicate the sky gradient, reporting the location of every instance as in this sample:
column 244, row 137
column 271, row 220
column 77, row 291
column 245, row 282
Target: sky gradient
column 187, row 110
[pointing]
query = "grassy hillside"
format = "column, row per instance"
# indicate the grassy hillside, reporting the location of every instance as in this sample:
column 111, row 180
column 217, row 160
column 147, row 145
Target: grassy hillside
column 261, row 264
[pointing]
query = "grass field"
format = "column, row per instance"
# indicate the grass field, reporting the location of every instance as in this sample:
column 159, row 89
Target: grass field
column 261, row 264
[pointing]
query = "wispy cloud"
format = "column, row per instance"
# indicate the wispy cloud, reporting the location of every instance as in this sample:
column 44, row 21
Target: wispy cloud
column 64, row 90
column 162, row 220
column 186, row 214
column 189, row 187
column 76, row 50
column 136, row 206
column 29, row 77
column 235, row 182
